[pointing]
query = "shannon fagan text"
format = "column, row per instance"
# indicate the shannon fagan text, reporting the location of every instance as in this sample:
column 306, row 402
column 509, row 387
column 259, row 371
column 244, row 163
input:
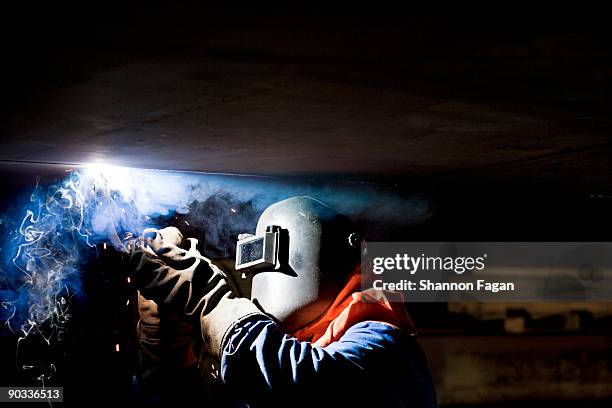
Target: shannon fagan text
column 428, row 285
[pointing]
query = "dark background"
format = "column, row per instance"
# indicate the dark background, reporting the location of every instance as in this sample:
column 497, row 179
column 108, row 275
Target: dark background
column 499, row 114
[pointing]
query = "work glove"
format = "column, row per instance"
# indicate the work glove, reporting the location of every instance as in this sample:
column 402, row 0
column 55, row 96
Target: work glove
column 164, row 339
column 166, row 272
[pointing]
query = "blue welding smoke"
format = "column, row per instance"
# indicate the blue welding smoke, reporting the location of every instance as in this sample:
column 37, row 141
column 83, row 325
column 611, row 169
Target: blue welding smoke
column 49, row 241
column 47, row 244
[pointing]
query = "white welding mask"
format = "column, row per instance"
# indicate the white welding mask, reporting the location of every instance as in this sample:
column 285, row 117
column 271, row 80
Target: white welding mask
column 300, row 257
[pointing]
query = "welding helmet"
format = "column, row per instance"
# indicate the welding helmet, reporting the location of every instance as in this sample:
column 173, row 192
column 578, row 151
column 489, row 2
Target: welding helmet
column 300, row 257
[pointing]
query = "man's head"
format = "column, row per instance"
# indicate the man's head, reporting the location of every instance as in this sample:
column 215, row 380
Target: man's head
column 321, row 250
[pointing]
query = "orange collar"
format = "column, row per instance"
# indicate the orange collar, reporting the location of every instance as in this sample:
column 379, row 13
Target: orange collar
column 352, row 306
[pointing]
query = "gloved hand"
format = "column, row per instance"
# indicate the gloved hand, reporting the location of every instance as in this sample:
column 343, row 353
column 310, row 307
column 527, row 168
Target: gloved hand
column 165, row 272
column 165, row 339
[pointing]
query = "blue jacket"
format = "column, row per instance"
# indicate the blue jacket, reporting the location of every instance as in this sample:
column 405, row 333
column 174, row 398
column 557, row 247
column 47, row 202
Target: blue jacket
column 372, row 363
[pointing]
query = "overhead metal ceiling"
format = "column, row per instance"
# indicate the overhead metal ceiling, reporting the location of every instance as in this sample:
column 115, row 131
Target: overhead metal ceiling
column 346, row 97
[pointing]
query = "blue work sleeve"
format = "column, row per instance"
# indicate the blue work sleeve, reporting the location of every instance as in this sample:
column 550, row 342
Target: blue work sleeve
column 372, row 362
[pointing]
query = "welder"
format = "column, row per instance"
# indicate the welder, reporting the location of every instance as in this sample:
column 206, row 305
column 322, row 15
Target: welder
column 308, row 335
